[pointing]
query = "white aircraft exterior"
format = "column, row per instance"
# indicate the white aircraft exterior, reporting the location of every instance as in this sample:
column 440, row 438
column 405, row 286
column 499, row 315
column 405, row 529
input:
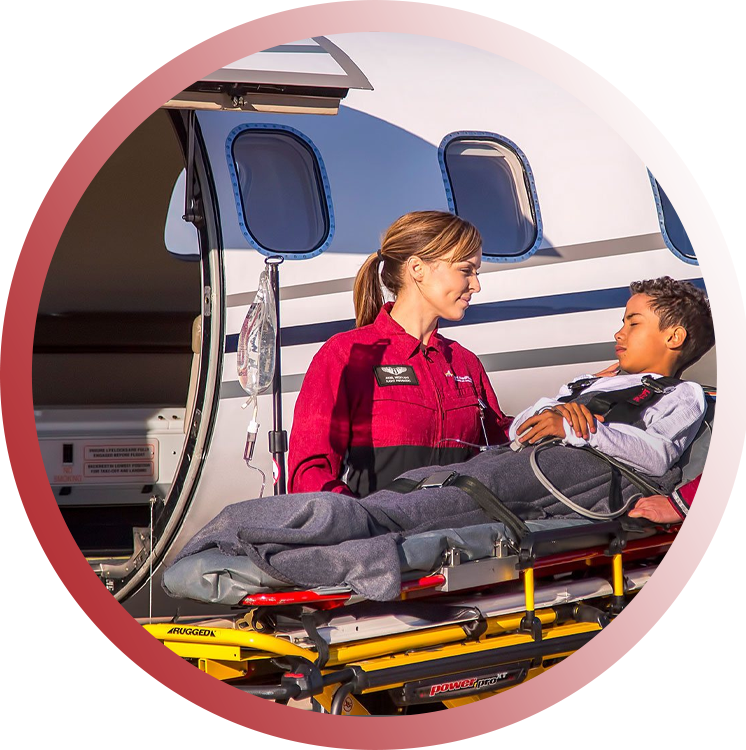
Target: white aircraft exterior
column 310, row 151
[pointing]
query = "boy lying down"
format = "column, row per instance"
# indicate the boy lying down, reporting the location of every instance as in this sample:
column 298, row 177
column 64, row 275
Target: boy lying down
column 326, row 539
column 667, row 326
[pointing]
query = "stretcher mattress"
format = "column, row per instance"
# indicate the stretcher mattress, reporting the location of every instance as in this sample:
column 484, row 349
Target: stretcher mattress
column 214, row 577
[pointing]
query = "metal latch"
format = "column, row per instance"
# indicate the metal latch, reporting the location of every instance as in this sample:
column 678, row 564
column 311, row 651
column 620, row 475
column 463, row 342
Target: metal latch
column 501, row 548
column 452, row 556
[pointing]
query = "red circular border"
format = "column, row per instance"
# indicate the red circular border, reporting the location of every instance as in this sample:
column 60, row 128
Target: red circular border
column 23, row 447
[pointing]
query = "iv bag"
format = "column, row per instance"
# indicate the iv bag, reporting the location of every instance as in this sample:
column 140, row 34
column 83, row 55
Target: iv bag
column 257, row 341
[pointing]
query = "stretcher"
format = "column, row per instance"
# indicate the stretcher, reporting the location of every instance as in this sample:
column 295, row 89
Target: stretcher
column 463, row 632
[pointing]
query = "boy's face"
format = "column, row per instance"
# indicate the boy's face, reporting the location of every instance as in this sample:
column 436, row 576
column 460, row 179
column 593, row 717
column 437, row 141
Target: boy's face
column 641, row 345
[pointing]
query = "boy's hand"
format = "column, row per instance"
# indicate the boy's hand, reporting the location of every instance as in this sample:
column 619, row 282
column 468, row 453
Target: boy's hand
column 656, row 508
column 583, row 423
column 551, row 423
column 611, row 370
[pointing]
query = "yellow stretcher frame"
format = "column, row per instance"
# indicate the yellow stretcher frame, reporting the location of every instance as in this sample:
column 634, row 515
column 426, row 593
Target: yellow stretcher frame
column 543, row 637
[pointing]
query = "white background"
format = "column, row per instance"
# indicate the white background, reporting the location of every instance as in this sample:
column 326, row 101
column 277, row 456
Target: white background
column 5, row 265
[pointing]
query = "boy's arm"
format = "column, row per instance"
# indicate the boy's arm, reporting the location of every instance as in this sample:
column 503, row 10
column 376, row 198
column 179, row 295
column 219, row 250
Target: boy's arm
column 671, row 424
column 541, row 405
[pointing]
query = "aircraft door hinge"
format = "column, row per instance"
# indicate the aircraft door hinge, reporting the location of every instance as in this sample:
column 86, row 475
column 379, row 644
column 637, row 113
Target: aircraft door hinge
column 197, row 419
column 192, row 213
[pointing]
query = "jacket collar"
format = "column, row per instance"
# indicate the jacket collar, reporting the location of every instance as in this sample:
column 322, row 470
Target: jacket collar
column 405, row 344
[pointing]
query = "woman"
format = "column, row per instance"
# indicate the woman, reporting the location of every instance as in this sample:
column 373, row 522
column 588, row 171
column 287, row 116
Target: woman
column 393, row 394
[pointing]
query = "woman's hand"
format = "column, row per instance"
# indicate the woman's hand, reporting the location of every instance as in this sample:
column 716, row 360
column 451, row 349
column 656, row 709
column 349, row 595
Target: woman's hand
column 656, row 508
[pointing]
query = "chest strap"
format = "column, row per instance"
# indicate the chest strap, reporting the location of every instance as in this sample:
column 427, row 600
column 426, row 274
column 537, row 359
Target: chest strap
column 626, row 404
column 577, row 386
column 482, row 496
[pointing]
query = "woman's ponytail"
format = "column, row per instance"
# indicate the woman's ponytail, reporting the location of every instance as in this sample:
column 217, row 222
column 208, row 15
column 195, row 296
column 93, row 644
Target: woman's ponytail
column 367, row 292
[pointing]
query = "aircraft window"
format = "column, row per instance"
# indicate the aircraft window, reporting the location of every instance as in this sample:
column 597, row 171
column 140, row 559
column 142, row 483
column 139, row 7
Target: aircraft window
column 281, row 190
column 35, row 182
column 489, row 182
column 702, row 161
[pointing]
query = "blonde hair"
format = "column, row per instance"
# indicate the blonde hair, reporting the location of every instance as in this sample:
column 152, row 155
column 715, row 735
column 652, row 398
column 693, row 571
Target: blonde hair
column 429, row 235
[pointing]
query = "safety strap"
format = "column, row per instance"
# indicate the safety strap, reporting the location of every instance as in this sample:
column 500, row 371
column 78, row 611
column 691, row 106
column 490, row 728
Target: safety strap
column 577, row 386
column 483, row 496
column 491, row 504
column 402, row 485
column 309, row 622
column 644, row 485
column 626, row 404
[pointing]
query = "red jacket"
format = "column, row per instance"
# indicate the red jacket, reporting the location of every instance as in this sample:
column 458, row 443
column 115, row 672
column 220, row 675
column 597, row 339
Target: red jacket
column 682, row 498
column 375, row 404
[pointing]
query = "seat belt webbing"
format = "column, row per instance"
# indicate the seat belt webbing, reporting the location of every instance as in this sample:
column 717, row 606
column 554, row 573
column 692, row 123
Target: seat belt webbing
column 482, row 495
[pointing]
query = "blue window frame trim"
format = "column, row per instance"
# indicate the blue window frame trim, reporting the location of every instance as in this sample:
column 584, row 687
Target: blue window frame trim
column 323, row 184
column 528, row 176
column 662, row 222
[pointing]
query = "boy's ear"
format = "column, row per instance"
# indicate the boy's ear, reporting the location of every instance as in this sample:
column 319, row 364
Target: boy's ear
column 676, row 337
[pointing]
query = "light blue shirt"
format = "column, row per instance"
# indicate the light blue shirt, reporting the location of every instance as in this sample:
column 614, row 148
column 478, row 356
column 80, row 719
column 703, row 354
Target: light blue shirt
column 671, row 423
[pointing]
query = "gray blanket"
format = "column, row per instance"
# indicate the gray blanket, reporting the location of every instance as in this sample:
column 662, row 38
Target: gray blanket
column 214, row 578
column 325, row 539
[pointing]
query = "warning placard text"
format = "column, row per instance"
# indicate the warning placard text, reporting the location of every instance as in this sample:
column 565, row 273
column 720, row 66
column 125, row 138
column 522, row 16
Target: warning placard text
column 119, row 452
column 119, row 469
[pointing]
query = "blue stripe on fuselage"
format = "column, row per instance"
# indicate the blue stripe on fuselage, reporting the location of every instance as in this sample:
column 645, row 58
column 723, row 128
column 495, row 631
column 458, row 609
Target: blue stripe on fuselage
column 487, row 312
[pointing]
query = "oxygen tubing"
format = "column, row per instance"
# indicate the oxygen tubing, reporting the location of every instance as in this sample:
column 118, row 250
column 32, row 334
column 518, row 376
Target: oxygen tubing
column 566, row 500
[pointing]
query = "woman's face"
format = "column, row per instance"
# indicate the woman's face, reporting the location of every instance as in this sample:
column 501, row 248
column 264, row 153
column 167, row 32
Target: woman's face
column 447, row 287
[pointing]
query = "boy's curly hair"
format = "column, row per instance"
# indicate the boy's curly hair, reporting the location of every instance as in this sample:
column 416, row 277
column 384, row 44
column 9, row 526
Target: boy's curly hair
column 680, row 303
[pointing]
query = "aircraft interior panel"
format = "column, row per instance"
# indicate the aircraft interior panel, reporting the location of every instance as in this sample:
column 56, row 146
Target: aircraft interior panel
column 113, row 347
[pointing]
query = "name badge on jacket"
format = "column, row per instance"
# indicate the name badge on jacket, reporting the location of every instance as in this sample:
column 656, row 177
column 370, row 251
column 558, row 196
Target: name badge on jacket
column 395, row 375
